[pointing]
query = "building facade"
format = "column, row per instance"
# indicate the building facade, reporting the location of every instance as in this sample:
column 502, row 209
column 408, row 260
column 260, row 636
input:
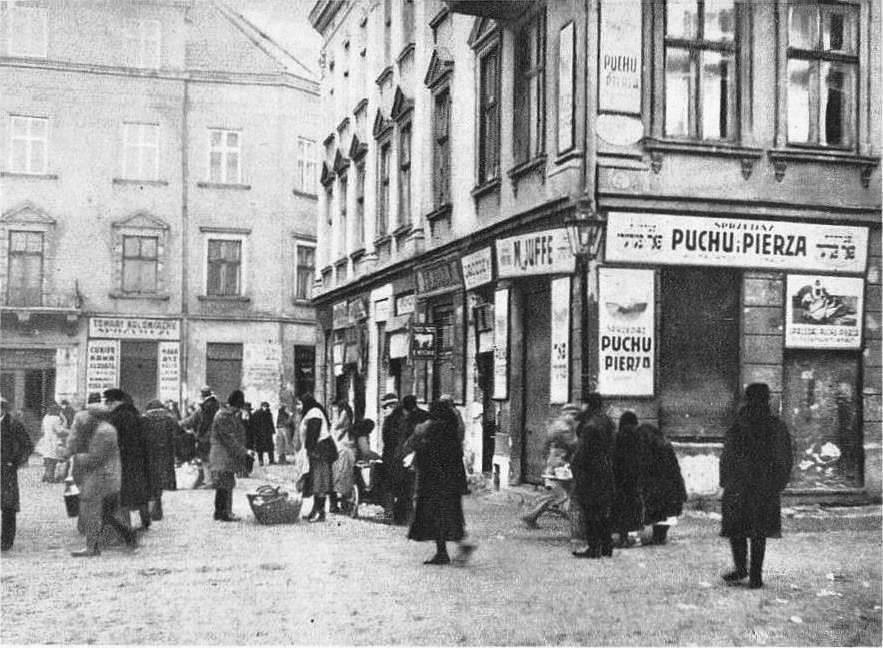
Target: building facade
column 158, row 204
column 740, row 201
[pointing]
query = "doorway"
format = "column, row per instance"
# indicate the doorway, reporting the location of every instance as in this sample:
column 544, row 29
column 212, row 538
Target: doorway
column 138, row 371
column 536, row 325
column 485, row 368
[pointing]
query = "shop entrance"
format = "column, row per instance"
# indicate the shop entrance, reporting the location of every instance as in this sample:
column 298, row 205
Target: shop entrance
column 138, row 371
column 223, row 368
column 485, row 370
column 536, row 324
column 698, row 351
column 28, row 384
column 820, row 406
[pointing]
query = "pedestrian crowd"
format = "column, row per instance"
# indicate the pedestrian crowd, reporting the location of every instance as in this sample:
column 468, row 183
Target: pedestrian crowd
column 612, row 481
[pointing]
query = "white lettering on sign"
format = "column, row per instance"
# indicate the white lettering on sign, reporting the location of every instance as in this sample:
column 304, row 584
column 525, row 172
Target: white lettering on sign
column 559, row 378
column 477, row 268
column 404, row 304
column 134, row 328
column 691, row 240
column 501, row 344
column 102, row 365
column 626, row 334
column 823, row 312
column 545, row 252
column 169, row 371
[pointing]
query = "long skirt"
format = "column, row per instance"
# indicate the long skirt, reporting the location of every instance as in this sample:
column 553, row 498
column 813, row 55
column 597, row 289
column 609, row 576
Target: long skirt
column 437, row 517
column 343, row 470
column 320, row 477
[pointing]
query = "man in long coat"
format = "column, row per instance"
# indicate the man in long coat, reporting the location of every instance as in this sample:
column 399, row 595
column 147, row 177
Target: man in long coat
column 15, row 449
column 263, row 429
column 135, row 488
column 160, row 430
column 228, row 454
column 201, row 424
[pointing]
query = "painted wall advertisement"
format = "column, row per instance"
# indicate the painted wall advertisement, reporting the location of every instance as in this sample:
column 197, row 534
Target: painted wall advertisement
column 566, row 45
column 626, row 334
column 102, row 365
column 619, row 58
column 477, row 268
column 546, row 252
column 169, row 379
column 261, row 372
column 733, row 242
column 65, row 373
column 501, row 344
column 823, row 312
column 134, row 328
column 559, row 379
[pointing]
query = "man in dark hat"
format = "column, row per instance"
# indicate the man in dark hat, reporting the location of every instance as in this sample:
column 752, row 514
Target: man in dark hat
column 15, row 449
column 228, row 454
column 135, row 488
column 201, row 424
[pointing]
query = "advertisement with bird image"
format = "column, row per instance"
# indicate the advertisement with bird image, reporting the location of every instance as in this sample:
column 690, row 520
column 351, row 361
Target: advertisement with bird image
column 823, row 312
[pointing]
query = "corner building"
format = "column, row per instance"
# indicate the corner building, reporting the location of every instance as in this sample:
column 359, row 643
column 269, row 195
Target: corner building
column 158, row 202
column 741, row 210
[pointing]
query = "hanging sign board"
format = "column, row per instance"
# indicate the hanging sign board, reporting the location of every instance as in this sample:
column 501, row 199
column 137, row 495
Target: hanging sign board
column 102, row 365
column 477, row 268
column 546, row 252
column 732, row 242
column 423, row 341
column 559, row 380
column 619, row 58
column 626, row 333
column 169, row 383
column 437, row 277
column 339, row 315
column 501, row 344
column 134, row 328
column 823, row 312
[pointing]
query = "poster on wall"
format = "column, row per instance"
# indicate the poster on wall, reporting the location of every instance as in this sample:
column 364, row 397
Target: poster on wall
column 619, row 58
column 823, row 312
column 501, row 344
column 566, row 48
column 626, row 334
column 102, row 365
column 66, row 374
column 261, row 373
column 169, row 371
column 559, row 379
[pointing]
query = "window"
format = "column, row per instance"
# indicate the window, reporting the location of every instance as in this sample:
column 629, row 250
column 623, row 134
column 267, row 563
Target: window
column 529, row 97
column 307, row 167
column 489, row 116
column 700, row 72
column 442, row 149
column 822, row 74
column 305, row 263
column 28, row 149
column 405, row 175
column 25, row 279
column 27, row 30
column 360, row 205
column 142, row 43
column 407, row 21
column 383, row 201
column 224, row 268
column 341, row 204
column 223, row 368
column 224, row 156
column 141, row 151
column 139, row 264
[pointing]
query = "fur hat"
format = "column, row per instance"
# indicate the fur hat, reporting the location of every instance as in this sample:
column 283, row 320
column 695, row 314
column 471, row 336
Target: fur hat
column 115, row 395
column 205, row 392
column 236, row 398
column 757, row 393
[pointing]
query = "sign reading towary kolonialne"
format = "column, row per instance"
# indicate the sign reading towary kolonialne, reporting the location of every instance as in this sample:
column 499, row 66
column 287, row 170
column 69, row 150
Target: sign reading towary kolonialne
column 134, row 328
column 546, row 252
column 694, row 240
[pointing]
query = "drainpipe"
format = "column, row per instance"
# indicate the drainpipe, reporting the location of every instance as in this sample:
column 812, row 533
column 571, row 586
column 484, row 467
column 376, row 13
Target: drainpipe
column 185, row 236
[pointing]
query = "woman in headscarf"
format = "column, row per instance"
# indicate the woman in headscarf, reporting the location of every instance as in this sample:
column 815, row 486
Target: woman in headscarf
column 662, row 484
column 754, row 468
column 315, row 432
column 441, row 480
column 342, row 470
column 51, row 444
column 628, row 460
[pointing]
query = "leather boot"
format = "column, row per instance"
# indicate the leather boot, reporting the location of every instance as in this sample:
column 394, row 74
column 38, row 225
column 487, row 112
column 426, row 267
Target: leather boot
column 739, row 547
column 758, row 549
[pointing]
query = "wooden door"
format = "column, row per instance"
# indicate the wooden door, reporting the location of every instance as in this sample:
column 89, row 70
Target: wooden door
column 536, row 324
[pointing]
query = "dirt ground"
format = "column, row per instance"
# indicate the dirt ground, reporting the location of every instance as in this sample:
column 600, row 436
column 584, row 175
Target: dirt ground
column 196, row 581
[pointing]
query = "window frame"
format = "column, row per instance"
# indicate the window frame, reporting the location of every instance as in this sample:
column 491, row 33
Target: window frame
column 28, row 139
column 11, row 255
column 342, row 211
column 225, row 150
column 403, row 169
column 307, row 166
column 36, row 52
column 384, row 187
column 155, row 259
column 140, row 145
column 242, row 239
column 523, row 77
column 300, row 244
column 441, row 142
column 360, row 203
column 488, row 136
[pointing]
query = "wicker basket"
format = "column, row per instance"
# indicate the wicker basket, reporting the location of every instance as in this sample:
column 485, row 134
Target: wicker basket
column 271, row 505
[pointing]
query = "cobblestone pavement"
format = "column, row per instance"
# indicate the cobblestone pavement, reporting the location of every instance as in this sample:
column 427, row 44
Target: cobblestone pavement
column 196, row 581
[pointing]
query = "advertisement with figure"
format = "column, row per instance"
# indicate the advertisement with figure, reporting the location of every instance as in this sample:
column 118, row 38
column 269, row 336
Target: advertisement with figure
column 823, row 312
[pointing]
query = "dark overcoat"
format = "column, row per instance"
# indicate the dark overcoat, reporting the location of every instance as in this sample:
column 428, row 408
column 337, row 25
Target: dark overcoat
column 15, row 449
column 629, row 458
column 228, row 454
column 755, row 466
column 592, row 468
column 440, row 482
column 262, row 430
column 160, row 433
column 136, row 487
column 663, row 484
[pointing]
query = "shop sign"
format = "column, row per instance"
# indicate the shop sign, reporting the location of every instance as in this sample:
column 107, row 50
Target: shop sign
column 339, row 315
column 134, row 328
column 823, row 312
column 261, row 372
column 358, row 309
column 566, row 47
column 477, row 268
column 399, row 343
column 169, row 371
column 501, row 344
column 626, row 333
column 619, row 58
column 381, row 310
column 559, row 379
column 65, row 373
column 423, row 341
column 438, row 276
column 731, row 242
column 405, row 304
column 102, row 365
column 546, row 252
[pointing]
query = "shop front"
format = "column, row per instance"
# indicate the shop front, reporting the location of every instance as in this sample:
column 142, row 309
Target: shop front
column 691, row 309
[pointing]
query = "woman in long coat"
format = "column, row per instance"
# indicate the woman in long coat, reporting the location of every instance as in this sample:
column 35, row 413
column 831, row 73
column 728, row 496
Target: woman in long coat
column 663, row 484
column 439, row 486
column 342, row 470
column 754, row 468
column 628, row 466
column 51, row 443
column 315, row 432
column 160, row 430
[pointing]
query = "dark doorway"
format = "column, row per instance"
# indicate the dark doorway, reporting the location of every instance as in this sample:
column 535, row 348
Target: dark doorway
column 223, row 368
column 698, row 351
column 138, row 371
column 485, row 367
column 536, row 324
